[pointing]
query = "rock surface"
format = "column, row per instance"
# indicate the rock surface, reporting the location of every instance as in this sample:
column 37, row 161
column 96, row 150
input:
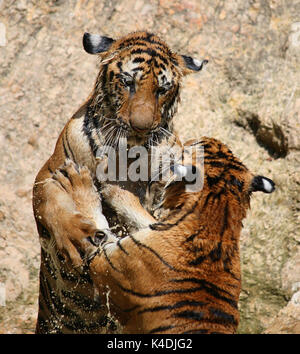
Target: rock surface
column 248, row 96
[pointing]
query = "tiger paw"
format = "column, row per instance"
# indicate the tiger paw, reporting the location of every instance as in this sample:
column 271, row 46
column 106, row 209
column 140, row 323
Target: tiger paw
column 117, row 197
column 127, row 206
column 78, row 183
column 76, row 211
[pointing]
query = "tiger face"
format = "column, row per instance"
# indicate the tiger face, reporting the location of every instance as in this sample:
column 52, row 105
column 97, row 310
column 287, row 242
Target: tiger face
column 137, row 89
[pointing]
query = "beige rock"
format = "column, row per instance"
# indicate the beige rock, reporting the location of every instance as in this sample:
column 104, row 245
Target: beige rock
column 290, row 274
column 288, row 319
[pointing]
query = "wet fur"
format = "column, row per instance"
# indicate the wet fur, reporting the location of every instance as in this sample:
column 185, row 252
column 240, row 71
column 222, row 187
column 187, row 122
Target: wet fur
column 180, row 274
column 110, row 113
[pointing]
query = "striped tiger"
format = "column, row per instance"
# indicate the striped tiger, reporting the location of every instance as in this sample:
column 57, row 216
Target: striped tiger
column 180, row 274
column 134, row 99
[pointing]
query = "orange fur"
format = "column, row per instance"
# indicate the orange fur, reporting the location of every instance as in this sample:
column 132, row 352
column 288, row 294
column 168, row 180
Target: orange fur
column 180, row 274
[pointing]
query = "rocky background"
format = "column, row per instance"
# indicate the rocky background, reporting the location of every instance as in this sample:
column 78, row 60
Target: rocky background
column 248, row 96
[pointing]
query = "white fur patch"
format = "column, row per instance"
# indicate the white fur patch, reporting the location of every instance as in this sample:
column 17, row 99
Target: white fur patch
column 267, row 185
column 180, row 170
column 197, row 62
column 95, row 39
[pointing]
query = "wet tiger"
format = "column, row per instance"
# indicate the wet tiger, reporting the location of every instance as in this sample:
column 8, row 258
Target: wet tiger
column 134, row 99
column 180, row 274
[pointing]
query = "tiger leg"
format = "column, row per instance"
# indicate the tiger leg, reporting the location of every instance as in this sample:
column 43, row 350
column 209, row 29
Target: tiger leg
column 62, row 287
column 72, row 210
column 128, row 206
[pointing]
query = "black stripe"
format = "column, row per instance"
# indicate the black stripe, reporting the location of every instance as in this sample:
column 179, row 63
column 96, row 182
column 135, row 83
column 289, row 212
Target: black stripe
column 175, row 306
column 209, row 195
column 122, row 248
column 161, row 329
column 221, row 164
column 196, row 331
column 197, row 261
column 83, row 302
column 67, row 276
column 65, row 149
column 49, row 169
column 211, row 181
column 190, row 315
column 131, row 308
column 68, row 146
column 139, row 68
column 138, row 60
column 43, row 232
column 47, row 262
column 191, row 237
column 222, row 317
column 232, row 191
column 137, row 242
column 86, row 128
column 228, row 159
column 111, row 75
column 103, row 76
column 170, row 103
column 161, row 293
column 45, row 291
column 150, row 51
column 109, row 261
column 166, row 226
column 210, row 288
column 216, row 254
column 79, row 326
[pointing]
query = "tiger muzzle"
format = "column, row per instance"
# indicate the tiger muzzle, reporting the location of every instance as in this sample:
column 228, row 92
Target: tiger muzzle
column 142, row 118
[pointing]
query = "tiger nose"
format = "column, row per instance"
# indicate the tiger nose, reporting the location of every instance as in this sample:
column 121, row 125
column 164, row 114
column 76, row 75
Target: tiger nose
column 142, row 120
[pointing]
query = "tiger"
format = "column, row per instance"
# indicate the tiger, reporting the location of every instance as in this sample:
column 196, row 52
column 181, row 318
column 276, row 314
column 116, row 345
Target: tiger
column 179, row 274
column 134, row 99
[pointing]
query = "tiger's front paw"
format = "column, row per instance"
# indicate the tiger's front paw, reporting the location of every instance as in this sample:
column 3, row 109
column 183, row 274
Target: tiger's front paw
column 118, row 197
column 127, row 206
column 77, row 211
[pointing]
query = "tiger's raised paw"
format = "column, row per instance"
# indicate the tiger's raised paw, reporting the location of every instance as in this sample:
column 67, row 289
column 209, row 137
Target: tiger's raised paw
column 127, row 206
column 79, row 212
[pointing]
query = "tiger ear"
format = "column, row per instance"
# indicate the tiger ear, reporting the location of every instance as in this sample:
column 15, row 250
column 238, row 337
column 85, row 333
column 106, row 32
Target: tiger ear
column 94, row 43
column 262, row 184
column 190, row 64
column 182, row 173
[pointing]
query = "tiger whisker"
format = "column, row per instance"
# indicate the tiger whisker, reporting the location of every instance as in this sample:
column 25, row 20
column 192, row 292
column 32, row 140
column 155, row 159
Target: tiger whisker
column 107, row 126
column 117, row 137
column 108, row 132
column 166, row 132
column 110, row 136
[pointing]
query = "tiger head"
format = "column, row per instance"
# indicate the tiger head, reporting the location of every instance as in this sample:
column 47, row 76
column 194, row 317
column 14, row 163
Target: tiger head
column 137, row 89
column 226, row 184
